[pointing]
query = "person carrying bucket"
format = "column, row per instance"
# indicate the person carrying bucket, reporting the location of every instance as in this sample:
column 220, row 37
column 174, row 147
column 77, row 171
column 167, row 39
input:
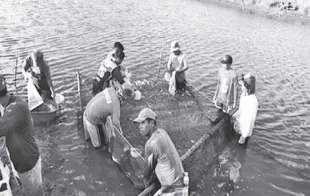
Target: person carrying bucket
column 176, row 67
column 161, row 158
column 244, row 118
column 16, row 126
column 225, row 97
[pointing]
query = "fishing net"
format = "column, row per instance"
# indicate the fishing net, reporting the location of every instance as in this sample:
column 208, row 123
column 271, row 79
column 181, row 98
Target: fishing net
column 187, row 119
column 132, row 164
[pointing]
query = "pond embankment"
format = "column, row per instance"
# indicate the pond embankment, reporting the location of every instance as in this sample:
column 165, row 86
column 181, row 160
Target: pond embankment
column 293, row 11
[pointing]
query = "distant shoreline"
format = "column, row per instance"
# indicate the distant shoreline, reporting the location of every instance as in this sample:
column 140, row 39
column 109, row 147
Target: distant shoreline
column 290, row 16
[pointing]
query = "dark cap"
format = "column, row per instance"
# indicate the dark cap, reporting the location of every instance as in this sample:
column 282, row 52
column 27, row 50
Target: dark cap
column 119, row 46
column 227, row 59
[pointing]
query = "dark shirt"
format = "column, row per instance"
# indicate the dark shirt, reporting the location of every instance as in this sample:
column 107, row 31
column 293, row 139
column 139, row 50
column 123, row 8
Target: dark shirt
column 101, row 83
column 17, row 126
column 41, row 81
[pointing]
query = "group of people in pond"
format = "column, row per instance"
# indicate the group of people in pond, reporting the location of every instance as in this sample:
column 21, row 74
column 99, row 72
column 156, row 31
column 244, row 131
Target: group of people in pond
column 164, row 173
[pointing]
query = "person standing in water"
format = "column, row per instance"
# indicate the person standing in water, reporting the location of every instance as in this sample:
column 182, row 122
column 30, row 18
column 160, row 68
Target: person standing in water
column 244, row 118
column 176, row 67
column 225, row 97
column 110, row 69
column 36, row 69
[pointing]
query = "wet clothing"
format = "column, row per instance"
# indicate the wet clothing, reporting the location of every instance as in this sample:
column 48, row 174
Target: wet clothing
column 246, row 115
column 178, row 63
column 98, row 134
column 107, row 71
column 226, row 91
column 42, row 81
column 164, row 159
column 101, row 106
column 17, row 126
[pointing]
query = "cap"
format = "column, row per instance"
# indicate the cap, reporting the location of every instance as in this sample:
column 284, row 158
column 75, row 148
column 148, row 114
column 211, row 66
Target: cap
column 175, row 46
column 119, row 45
column 249, row 82
column 227, row 59
column 145, row 114
column 2, row 83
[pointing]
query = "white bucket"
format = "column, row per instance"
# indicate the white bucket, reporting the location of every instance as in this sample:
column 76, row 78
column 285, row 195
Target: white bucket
column 59, row 98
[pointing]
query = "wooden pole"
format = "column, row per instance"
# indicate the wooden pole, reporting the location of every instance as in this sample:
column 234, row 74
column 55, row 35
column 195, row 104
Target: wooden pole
column 15, row 73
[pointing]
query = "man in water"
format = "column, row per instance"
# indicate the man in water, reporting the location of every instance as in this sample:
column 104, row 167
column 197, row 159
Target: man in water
column 225, row 97
column 176, row 67
column 36, row 69
column 110, row 69
column 101, row 106
column 161, row 156
column 16, row 126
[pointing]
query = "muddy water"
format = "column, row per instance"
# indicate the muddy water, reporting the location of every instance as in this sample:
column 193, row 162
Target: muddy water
column 76, row 35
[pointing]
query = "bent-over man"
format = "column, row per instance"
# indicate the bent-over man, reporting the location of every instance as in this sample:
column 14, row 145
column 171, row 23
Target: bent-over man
column 161, row 156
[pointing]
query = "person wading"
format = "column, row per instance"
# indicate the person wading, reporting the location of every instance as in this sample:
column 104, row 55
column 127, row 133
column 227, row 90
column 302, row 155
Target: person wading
column 110, row 69
column 101, row 106
column 244, row 118
column 161, row 157
column 16, row 126
column 176, row 67
column 225, row 97
column 36, row 69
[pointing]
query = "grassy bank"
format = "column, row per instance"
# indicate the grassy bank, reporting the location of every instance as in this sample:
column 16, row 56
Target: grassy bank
column 295, row 11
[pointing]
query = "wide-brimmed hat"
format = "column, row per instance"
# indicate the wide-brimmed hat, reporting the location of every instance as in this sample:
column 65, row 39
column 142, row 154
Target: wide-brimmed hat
column 227, row 59
column 2, row 83
column 175, row 46
column 144, row 114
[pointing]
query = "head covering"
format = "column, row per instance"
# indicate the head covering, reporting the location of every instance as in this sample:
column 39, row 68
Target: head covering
column 38, row 54
column 175, row 46
column 119, row 46
column 144, row 114
column 249, row 82
column 2, row 83
column 227, row 59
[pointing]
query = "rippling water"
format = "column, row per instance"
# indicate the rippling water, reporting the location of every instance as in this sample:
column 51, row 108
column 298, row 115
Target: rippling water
column 76, row 35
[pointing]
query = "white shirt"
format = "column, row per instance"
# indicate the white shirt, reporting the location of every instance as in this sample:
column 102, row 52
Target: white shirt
column 247, row 114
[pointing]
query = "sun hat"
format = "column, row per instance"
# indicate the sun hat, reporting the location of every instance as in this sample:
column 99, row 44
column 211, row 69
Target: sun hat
column 227, row 59
column 144, row 114
column 175, row 46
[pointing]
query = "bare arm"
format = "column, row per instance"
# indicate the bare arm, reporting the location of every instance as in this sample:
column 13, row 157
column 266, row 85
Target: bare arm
column 185, row 67
column 217, row 87
column 235, row 85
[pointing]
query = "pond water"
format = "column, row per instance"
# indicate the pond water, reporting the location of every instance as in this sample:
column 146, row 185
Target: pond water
column 76, row 36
